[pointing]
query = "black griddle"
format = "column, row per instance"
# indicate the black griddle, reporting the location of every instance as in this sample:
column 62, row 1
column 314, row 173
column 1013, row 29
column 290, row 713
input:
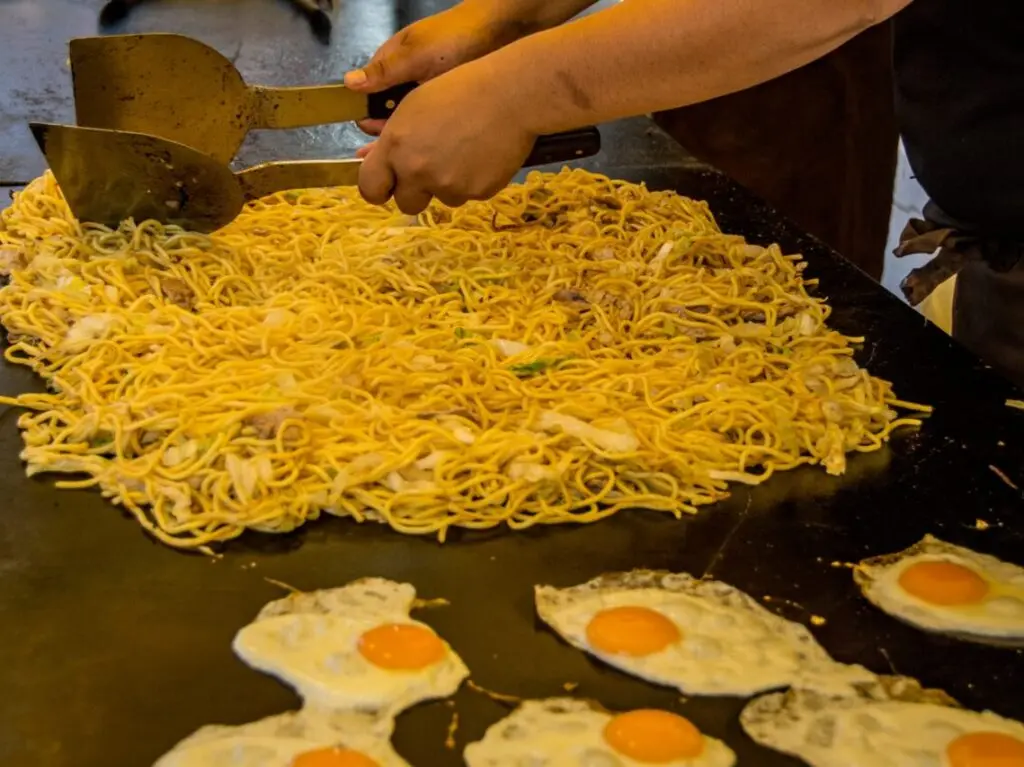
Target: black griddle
column 113, row 647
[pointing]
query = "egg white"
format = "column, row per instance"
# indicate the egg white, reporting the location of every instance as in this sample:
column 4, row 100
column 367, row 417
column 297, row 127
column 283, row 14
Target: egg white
column 277, row 740
column 731, row 644
column 999, row 616
column 892, row 722
column 310, row 641
column 564, row 731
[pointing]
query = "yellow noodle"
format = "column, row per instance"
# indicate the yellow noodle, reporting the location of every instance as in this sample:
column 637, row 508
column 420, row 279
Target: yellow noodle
column 573, row 347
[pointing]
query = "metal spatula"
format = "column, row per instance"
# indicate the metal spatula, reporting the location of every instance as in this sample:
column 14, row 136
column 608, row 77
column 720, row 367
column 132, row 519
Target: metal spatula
column 109, row 176
column 177, row 88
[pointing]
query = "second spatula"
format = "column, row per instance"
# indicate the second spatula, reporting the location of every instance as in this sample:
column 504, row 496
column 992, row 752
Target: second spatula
column 109, row 176
column 177, row 88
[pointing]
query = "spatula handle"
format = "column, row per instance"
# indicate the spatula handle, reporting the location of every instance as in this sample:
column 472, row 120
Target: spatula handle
column 305, row 105
column 271, row 177
column 380, row 106
column 553, row 148
column 564, row 147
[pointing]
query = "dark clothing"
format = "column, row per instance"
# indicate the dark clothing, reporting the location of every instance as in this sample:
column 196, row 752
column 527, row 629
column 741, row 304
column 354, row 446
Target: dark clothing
column 988, row 316
column 960, row 103
column 988, row 305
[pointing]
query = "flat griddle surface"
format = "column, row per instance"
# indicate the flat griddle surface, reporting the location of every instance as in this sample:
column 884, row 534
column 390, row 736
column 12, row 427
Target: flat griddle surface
column 113, row 647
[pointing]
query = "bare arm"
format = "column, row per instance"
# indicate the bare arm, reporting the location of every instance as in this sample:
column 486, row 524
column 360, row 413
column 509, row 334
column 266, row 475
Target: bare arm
column 646, row 55
column 534, row 14
column 463, row 135
column 467, row 31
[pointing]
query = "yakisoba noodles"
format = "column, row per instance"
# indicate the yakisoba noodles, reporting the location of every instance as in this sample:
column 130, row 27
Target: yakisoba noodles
column 573, row 347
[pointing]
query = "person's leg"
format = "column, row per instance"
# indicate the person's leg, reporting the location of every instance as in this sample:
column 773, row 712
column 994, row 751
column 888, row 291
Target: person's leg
column 988, row 316
column 819, row 144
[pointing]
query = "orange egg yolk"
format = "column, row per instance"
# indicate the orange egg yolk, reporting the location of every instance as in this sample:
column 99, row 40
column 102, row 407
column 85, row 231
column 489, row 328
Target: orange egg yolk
column 986, row 749
column 653, row 737
column 634, row 631
column 944, row 583
column 401, row 647
column 333, row 757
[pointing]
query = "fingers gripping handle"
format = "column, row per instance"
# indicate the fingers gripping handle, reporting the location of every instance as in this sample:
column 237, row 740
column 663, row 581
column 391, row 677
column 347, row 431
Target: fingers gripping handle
column 553, row 148
column 381, row 105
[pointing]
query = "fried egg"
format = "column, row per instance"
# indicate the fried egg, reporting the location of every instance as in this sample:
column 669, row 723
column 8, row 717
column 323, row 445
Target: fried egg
column 563, row 731
column 937, row 586
column 308, row 738
column 891, row 722
column 701, row 637
column 353, row 647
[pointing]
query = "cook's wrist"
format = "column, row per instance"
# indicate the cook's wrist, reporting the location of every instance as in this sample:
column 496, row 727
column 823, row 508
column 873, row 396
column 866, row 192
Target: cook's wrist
column 526, row 92
column 497, row 93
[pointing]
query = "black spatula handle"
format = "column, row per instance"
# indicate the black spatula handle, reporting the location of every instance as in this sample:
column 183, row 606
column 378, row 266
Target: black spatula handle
column 380, row 106
column 565, row 146
column 556, row 147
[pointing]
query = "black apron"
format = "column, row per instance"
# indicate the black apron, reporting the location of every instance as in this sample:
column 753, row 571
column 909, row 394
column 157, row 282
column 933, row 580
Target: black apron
column 988, row 305
column 959, row 67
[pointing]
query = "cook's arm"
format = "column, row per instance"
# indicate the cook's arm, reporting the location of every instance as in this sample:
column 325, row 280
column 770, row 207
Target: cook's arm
column 467, row 31
column 646, row 55
column 531, row 14
column 463, row 135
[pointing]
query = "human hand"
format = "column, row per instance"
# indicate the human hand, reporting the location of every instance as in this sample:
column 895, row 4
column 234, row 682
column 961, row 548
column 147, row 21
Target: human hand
column 430, row 47
column 457, row 138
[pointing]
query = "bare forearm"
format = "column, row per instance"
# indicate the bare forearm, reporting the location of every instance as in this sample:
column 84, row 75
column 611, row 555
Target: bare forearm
column 532, row 14
column 646, row 55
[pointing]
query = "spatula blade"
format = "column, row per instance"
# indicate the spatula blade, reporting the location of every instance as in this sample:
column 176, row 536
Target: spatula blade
column 163, row 85
column 178, row 88
column 110, row 176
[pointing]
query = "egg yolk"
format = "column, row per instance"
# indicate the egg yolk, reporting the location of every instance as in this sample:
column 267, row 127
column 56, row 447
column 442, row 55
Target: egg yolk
column 333, row 757
column 653, row 737
column 944, row 583
column 635, row 631
column 986, row 749
column 401, row 647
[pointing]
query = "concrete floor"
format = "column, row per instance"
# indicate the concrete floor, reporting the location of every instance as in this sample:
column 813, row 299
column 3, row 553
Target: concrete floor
column 908, row 202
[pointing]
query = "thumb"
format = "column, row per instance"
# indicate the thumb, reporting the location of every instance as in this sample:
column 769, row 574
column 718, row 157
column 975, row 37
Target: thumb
column 394, row 63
